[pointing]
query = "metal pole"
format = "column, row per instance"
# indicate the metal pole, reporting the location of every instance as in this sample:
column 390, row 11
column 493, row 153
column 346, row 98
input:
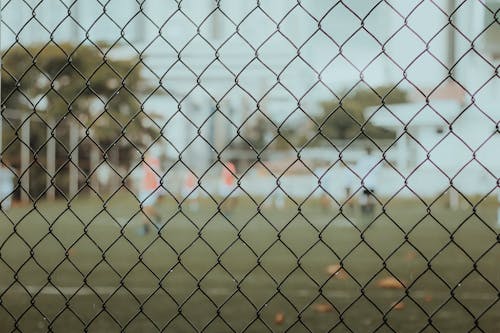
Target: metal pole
column 219, row 131
column 454, row 199
column 451, row 38
column 25, row 157
column 1, row 130
column 51, row 161
column 73, row 158
column 94, row 161
column 1, row 106
column 75, row 14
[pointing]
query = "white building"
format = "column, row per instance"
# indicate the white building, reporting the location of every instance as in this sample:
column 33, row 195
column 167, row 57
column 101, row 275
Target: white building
column 430, row 155
column 224, row 62
column 449, row 133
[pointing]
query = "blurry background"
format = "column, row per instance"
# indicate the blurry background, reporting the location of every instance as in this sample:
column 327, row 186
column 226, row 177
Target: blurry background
column 201, row 73
column 293, row 93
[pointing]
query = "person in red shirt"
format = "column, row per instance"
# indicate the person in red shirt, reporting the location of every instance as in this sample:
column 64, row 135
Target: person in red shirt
column 190, row 191
column 149, row 191
column 228, row 183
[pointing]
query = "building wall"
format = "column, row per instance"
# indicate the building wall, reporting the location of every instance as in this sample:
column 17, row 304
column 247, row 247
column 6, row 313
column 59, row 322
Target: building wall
column 303, row 44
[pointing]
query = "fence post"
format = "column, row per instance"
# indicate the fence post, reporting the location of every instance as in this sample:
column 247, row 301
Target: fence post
column 94, row 161
column 1, row 108
column 73, row 166
column 402, row 152
column 219, row 131
column 25, row 157
column 1, row 132
column 454, row 199
column 451, row 38
column 51, row 160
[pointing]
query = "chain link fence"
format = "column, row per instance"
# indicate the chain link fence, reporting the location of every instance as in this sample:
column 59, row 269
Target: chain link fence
column 249, row 166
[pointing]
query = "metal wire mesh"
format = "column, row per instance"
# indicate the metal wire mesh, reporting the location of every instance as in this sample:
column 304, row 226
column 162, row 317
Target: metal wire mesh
column 200, row 92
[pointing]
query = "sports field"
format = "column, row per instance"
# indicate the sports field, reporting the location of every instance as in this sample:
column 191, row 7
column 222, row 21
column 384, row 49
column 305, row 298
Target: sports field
column 248, row 270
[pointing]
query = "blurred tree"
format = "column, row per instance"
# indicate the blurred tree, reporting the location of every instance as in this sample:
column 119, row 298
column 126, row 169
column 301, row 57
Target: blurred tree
column 63, row 84
column 264, row 134
column 342, row 120
column 338, row 121
column 62, row 80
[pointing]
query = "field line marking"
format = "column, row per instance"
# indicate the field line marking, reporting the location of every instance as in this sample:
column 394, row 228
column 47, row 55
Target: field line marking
column 218, row 291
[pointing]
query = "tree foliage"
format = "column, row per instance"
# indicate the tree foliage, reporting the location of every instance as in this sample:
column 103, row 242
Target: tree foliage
column 57, row 81
column 342, row 119
column 61, row 84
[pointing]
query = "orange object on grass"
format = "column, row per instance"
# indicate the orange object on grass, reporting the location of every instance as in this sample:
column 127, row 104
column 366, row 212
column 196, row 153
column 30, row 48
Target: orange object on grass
column 323, row 307
column 411, row 255
column 390, row 283
column 337, row 271
column 279, row 318
column 398, row 305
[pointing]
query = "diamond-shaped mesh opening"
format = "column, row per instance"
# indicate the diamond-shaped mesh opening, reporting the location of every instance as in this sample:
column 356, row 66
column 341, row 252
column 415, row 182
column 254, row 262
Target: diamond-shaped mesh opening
column 393, row 236
column 66, row 274
column 299, row 226
column 199, row 309
column 370, row 315
column 472, row 226
column 245, row 315
column 479, row 285
column 451, row 277
column 215, row 166
column 362, row 263
column 408, row 56
column 352, row 45
column 278, row 260
column 289, row 74
column 103, row 321
column 289, row 28
column 465, row 319
column 268, row 50
column 69, row 317
column 266, row 28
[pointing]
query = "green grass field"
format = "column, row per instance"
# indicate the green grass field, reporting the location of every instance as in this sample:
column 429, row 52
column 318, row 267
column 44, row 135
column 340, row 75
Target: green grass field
column 86, row 267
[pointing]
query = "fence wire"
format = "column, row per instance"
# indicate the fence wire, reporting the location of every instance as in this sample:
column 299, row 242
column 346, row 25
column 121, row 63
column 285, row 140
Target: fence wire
column 195, row 166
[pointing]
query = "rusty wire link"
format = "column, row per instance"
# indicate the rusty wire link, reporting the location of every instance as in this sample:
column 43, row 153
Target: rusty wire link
column 80, row 83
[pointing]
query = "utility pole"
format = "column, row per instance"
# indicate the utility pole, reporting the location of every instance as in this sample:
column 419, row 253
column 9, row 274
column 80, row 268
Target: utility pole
column 94, row 162
column 73, row 158
column 24, row 176
column 51, row 160
column 451, row 38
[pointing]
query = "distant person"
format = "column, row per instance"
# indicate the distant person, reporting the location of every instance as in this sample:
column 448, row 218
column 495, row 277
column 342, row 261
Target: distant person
column 367, row 170
column 278, row 199
column 189, row 190
column 227, row 184
column 346, row 181
column 104, row 174
column 149, row 191
column 325, row 180
column 6, row 187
